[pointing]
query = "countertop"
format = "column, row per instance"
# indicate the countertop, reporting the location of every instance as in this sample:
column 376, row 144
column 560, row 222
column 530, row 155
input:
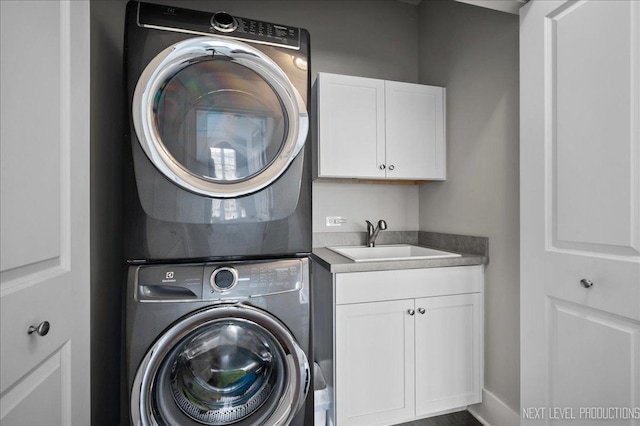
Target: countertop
column 473, row 251
column 336, row 263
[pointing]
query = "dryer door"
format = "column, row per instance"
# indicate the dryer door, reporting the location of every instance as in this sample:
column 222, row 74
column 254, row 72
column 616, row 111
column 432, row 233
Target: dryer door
column 218, row 117
column 219, row 366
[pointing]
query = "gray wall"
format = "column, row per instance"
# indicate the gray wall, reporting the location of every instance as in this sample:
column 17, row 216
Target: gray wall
column 473, row 52
column 107, row 117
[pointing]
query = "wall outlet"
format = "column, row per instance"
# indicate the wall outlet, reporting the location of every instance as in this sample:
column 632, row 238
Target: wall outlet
column 335, row 220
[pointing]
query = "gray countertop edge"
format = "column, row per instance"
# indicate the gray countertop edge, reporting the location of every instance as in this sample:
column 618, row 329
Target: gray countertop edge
column 336, row 263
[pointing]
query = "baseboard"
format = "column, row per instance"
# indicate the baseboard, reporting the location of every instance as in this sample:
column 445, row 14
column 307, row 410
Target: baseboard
column 493, row 412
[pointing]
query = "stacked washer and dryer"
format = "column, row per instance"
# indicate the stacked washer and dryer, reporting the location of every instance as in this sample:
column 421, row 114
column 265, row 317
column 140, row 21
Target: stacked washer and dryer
column 218, row 219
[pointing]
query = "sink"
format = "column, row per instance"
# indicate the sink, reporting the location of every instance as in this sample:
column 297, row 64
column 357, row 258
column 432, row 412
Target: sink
column 390, row 252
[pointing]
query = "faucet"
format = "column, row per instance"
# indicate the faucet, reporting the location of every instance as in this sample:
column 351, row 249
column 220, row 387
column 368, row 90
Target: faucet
column 372, row 233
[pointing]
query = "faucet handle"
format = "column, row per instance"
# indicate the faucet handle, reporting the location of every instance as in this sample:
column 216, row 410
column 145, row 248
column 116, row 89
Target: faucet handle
column 382, row 224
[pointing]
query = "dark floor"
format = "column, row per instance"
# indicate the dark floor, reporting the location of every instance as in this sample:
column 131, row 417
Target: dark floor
column 461, row 418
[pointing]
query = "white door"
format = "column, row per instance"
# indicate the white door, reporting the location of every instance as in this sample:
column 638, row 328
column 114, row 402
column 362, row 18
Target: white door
column 375, row 363
column 415, row 131
column 580, row 212
column 448, row 352
column 44, row 380
column 351, row 126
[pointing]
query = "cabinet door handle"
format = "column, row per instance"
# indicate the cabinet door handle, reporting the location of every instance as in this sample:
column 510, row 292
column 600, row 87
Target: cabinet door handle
column 411, row 312
column 382, row 167
column 422, row 311
column 586, row 283
column 392, row 167
column 42, row 329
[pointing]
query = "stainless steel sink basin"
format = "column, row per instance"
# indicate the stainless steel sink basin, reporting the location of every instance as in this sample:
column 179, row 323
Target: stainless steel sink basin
column 390, row 252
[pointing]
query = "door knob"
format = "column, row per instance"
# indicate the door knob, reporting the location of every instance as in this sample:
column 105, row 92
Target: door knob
column 382, row 166
column 411, row 312
column 422, row 311
column 42, row 329
column 586, row 283
column 391, row 167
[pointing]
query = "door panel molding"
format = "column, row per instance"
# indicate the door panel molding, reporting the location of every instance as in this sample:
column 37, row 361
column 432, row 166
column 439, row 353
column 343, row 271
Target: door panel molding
column 47, row 257
column 607, row 223
column 52, row 375
column 603, row 331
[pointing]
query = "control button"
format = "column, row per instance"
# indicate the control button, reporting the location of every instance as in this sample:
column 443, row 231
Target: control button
column 224, row 22
column 224, row 279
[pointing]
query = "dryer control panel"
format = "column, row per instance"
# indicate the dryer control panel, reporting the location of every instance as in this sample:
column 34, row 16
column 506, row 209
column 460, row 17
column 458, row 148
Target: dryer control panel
column 220, row 280
column 220, row 23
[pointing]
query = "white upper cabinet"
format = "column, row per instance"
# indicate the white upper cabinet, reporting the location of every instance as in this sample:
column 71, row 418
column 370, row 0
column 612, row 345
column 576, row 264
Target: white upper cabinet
column 377, row 129
column 351, row 126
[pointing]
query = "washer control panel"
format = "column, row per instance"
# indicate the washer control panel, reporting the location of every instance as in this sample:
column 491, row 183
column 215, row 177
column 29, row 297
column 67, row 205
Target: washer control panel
column 221, row 23
column 250, row 279
column 220, row 280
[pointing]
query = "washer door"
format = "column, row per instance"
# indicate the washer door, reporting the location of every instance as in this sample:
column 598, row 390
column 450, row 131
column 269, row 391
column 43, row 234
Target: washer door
column 220, row 366
column 218, row 117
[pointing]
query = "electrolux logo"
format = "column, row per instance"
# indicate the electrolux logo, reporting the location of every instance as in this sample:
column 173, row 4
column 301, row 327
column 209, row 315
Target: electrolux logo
column 169, row 277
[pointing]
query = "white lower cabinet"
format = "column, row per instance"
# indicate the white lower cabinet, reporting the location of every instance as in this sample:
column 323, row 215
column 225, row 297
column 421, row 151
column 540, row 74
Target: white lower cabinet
column 374, row 363
column 398, row 360
column 447, row 347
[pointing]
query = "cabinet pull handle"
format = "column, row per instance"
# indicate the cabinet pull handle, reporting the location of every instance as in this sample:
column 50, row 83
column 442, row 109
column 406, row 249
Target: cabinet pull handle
column 382, row 166
column 586, row 283
column 42, row 329
column 392, row 167
column 411, row 312
column 422, row 311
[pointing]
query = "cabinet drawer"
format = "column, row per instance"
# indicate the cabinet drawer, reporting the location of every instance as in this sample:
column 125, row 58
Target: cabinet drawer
column 357, row 287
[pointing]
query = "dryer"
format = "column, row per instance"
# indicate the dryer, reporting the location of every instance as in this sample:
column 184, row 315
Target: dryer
column 219, row 343
column 218, row 166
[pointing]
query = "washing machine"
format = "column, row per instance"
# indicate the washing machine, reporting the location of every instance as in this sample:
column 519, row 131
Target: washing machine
column 217, row 165
column 219, row 343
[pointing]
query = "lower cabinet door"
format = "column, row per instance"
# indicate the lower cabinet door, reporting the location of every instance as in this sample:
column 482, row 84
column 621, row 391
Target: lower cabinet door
column 448, row 339
column 375, row 363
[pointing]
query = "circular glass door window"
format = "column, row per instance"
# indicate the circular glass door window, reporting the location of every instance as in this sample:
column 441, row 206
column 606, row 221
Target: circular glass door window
column 218, row 117
column 223, row 365
column 221, row 121
column 225, row 372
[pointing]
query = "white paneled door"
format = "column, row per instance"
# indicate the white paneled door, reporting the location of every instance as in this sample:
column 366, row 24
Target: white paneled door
column 580, row 212
column 44, row 258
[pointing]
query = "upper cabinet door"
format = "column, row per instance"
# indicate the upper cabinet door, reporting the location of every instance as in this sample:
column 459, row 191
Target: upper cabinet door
column 351, row 126
column 415, row 131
